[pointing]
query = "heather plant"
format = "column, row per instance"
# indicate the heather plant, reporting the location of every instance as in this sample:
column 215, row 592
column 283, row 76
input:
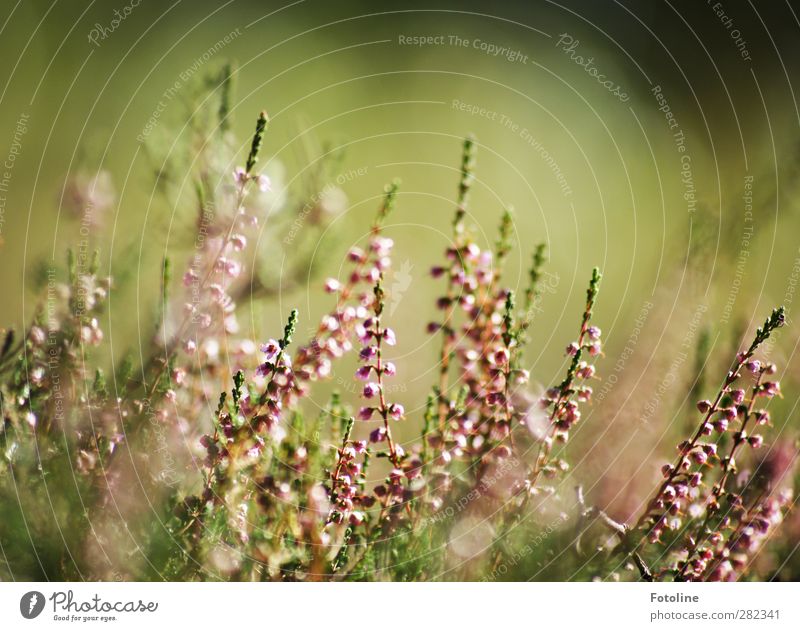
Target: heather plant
column 247, row 481
column 709, row 517
column 729, row 512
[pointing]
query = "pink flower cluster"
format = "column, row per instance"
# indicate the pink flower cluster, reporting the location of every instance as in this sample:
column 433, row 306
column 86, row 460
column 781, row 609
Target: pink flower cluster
column 347, row 495
column 334, row 335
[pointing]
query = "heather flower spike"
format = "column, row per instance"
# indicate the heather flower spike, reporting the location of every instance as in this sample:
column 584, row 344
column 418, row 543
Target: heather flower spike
column 227, row 80
column 375, row 337
column 467, row 178
column 504, row 245
column 389, row 200
column 453, row 274
column 337, row 329
column 289, row 329
column 699, row 484
column 564, row 411
column 372, row 485
column 532, row 292
column 255, row 146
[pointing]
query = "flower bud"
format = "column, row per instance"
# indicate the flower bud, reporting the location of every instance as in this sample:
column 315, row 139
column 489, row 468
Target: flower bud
column 704, row 406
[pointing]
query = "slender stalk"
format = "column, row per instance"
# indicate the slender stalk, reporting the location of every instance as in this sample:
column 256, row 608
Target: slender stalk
column 712, row 506
column 448, row 330
column 241, row 191
column 775, row 320
column 379, row 369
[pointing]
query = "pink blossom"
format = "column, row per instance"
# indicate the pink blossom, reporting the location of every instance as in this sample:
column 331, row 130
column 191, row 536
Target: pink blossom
column 264, row 184
column 240, row 176
column 332, row 285
column 271, row 349
column 371, row 390
column 396, row 411
column 363, row 372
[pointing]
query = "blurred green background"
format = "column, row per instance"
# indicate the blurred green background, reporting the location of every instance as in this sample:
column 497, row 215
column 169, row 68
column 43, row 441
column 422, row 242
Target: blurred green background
column 598, row 178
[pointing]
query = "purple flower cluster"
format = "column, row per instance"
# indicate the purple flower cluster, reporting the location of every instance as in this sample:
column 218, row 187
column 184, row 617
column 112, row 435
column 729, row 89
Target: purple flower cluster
column 701, row 500
column 728, row 558
column 374, row 370
column 348, row 499
column 334, row 336
column 283, row 491
column 562, row 403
